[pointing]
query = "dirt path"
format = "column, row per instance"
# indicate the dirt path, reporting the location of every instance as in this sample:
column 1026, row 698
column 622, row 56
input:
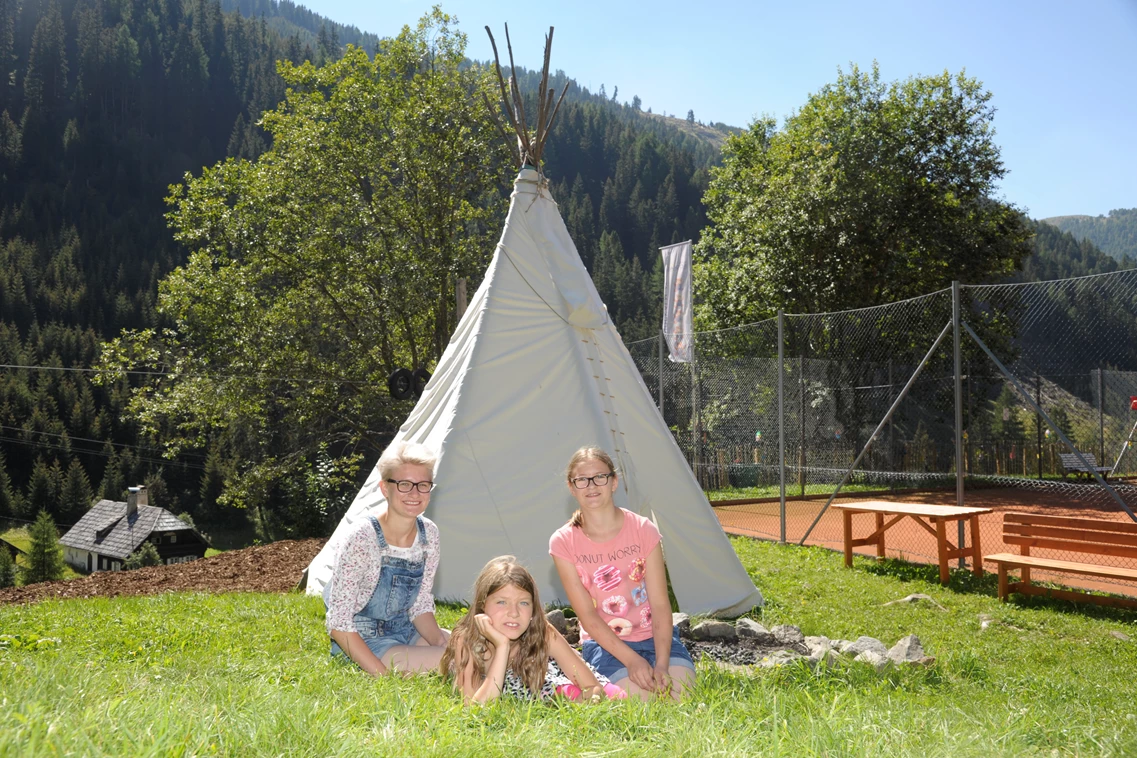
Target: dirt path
column 276, row 567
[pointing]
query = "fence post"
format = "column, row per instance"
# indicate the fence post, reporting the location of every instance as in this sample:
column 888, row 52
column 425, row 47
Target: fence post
column 782, row 425
column 661, row 345
column 1101, row 415
column 1038, row 419
column 695, row 411
column 955, row 318
column 801, row 420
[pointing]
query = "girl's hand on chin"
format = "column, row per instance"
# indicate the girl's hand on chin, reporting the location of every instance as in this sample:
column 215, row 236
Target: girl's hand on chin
column 486, row 627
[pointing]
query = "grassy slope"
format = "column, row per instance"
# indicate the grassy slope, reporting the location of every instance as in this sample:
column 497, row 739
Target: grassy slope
column 249, row 675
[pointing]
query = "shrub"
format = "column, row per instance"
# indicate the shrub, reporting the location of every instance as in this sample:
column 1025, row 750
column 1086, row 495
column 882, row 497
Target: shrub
column 146, row 555
column 7, row 568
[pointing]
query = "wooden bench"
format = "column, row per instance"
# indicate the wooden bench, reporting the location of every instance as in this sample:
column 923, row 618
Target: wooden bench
column 1070, row 462
column 1091, row 536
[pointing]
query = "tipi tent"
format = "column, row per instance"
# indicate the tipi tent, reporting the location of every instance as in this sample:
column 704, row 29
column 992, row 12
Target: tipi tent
column 534, row 371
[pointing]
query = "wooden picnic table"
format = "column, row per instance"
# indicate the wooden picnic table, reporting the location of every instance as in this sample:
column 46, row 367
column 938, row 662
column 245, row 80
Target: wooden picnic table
column 937, row 517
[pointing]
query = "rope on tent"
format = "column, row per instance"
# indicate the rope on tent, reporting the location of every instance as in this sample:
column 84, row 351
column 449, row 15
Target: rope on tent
column 529, row 147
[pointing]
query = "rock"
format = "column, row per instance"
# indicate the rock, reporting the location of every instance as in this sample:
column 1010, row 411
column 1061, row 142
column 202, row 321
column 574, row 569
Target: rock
column 907, row 650
column 751, row 629
column 818, row 645
column 557, row 619
column 865, row 644
column 915, row 598
column 1119, row 635
column 713, row 629
column 826, row 658
column 873, row 658
column 572, row 631
column 787, row 634
column 683, row 622
column 779, row 658
column 926, row 661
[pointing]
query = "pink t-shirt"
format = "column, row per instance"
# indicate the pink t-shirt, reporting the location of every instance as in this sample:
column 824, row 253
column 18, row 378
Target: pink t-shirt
column 613, row 572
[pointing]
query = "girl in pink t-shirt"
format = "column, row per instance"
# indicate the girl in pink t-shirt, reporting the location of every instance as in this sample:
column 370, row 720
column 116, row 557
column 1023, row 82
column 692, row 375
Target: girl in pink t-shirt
column 610, row 562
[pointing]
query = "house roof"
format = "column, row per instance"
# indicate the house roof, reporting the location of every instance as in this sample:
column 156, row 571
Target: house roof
column 13, row 549
column 107, row 530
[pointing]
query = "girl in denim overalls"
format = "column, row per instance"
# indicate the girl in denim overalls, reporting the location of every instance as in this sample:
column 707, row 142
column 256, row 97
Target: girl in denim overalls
column 380, row 598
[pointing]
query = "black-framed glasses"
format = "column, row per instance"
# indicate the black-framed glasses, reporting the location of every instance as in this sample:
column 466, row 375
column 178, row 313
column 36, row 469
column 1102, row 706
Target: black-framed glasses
column 581, row 482
column 406, row 485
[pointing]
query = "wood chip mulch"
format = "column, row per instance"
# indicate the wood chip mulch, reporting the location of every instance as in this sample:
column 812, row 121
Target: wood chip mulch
column 276, row 567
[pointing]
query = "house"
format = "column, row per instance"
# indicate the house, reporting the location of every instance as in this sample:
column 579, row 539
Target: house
column 12, row 549
column 109, row 532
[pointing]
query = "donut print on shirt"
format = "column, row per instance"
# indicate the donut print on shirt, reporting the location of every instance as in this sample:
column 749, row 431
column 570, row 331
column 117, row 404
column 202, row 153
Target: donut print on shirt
column 639, row 568
column 639, row 594
column 607, row 577
column 615, row 606
column 583, row 576
column 620, row 626
column 645, row 616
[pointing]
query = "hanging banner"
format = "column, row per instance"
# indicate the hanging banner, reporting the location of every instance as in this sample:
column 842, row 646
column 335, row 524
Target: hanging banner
column 677, row 321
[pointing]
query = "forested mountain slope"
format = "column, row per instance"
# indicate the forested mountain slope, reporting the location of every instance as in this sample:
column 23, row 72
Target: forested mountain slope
column 1115, row 234
column 106, row 104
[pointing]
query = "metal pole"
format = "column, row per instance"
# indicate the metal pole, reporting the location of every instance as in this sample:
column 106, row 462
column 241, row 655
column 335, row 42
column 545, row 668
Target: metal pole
column 1050, row 422
column 782, row 423
column 1038, row 419
column 895, row 404
column 1124, row 447
column 955, row 321
column 1101, row 415
column 661, row 341
column 695, row 412
column 801, row 420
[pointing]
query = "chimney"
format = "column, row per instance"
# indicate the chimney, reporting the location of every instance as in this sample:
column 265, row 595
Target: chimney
column 135, row 498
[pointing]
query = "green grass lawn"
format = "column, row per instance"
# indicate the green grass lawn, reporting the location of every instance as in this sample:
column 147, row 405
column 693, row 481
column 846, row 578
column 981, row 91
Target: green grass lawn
column 248, row 675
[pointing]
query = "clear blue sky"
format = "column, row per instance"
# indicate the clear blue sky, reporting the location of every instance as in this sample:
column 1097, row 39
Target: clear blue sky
column 1063, row 73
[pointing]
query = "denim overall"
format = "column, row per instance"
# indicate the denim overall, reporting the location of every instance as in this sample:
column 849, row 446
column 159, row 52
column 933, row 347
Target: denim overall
column 385, row 621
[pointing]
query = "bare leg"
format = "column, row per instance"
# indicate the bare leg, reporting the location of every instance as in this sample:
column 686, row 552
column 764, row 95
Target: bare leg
column 413, row 658
column 682, row 679
column 633, row 689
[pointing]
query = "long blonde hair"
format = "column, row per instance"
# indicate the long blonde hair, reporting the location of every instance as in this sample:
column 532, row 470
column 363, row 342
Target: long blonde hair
column 530, row 656
column 587, row 453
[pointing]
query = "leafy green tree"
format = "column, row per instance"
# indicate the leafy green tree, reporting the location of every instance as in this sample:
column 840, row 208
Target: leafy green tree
column 325, row 264
column 871, row 192
column 7, row 568
column 145, row 555
column 45, row 556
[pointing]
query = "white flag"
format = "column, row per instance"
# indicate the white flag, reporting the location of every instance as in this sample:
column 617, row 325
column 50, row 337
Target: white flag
column 677, row 325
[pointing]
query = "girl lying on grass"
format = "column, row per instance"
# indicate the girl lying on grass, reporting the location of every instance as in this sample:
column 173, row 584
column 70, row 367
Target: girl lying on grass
column 610, row 562
column 504, row 645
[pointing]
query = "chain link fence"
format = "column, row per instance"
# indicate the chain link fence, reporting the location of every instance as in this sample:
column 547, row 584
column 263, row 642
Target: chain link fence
column 820, row 386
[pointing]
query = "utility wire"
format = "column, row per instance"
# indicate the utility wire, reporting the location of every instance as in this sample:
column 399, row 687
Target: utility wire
column 85, row 439
column 101, row 453
column 316, row 380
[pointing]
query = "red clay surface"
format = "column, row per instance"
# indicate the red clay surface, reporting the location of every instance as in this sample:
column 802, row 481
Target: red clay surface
column 908, row 541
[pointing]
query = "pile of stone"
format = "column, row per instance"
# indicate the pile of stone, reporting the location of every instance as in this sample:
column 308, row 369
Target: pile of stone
column 747, row 643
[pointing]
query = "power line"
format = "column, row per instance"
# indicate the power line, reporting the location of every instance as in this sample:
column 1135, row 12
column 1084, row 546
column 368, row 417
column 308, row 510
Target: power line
column 316, row 380
column 86, row 439
column 142, row 458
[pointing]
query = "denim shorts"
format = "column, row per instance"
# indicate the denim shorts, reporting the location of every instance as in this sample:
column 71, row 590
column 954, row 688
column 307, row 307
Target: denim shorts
column 610, row 666
column 380, row 644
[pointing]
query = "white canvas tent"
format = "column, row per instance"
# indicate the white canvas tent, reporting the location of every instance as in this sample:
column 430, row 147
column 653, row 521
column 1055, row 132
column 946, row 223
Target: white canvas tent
column 534, row 371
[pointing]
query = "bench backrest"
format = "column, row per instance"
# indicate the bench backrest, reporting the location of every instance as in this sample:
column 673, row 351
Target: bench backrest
column 1081, row 535
column 1069, row 460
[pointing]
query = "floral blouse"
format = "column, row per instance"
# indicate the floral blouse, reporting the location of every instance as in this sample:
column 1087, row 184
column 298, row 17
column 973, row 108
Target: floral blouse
column 355, row 574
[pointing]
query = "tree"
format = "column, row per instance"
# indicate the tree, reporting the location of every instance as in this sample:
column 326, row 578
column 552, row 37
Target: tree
column 75, row 498
column 145, row 555
column 45, row 556
column 7, row 568
column 872, row 192
column 691, row 116
column 321, row 267
column 44, row 486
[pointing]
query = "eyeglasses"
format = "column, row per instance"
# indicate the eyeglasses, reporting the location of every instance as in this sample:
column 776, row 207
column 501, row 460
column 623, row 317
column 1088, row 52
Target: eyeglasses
column 406, row 485
column 581, row 482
